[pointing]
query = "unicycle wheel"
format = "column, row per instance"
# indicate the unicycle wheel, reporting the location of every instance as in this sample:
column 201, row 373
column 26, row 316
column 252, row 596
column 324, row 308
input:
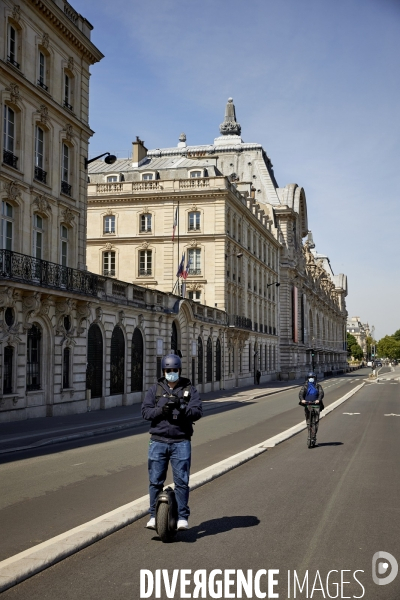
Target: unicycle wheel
column 162, row 523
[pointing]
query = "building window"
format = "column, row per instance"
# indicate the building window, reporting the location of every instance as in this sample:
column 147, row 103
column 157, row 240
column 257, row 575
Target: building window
column 147, row 176
column 194, row 255
column 12, row 46
column 194, row 221
column 65, row 170
column 67, row 91
column 9, row 138
column 40, row 173
column 8, row 369
column 7, row 226
column 33, row 358
column 66, row 367
column 145, row 222
column 64, row 245
column 145, row 262
column 195, row 295
column 109, row 224
column 196, row 173
column 199, row 360
column 38, row 236
column 117, row 362
column 112, row 178
column 109, row 264
column 42, row 70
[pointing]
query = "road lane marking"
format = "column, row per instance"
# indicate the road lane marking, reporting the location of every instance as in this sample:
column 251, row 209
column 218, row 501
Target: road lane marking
column 351, row 413
column 21, row 566
column 391, row 415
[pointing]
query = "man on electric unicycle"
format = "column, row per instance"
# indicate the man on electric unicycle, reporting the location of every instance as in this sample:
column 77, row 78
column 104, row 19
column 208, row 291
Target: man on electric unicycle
column 172, row 405
column 311, row 397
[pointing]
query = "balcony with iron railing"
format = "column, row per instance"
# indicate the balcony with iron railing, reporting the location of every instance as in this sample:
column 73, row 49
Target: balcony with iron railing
column 240, row 322
column 194, row 272
column 42, row 84
column 27, row 269
column 40, row 175
column 10, row 159
column 145, row 272
column 13, row 62
column 66, row 188
column 109, row 272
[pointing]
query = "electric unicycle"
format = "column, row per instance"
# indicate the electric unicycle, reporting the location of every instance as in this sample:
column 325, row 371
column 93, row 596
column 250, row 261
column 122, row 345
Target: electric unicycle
column 166, row 515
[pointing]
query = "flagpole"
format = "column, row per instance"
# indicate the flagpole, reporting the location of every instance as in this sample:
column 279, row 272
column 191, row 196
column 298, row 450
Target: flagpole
column 177, row 281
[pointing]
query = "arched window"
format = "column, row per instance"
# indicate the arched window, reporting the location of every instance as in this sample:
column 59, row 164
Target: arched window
column 66, row 367
column 218, row 361
column 200, row 360
column 137, row 361
column 117, row 363
column 209, row 361
column 94, row 370
column 33, row 361
column 174, row 337
column 8, row 369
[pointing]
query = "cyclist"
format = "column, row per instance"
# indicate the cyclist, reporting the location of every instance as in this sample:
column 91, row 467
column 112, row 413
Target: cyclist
column 172, row 405
column 312, row 393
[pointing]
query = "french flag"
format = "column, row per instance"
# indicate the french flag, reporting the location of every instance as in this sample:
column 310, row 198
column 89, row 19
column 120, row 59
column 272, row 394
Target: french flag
column 175, row 223
column 181, row 266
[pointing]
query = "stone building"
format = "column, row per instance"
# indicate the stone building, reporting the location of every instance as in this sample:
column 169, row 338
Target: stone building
column 229, row 204
column 71, row 340
column 360, row 331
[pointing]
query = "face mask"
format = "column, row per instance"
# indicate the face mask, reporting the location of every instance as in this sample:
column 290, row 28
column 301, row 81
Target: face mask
column 172, row 377
column 311, row 380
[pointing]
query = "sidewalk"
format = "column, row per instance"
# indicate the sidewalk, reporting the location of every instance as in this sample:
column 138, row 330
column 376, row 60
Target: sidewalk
column 33, row 433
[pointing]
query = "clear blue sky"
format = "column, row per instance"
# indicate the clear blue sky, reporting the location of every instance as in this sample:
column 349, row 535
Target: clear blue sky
column 315, row 81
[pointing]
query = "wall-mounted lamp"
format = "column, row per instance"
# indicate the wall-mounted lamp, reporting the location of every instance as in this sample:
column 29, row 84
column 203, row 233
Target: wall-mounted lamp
column 109, row 160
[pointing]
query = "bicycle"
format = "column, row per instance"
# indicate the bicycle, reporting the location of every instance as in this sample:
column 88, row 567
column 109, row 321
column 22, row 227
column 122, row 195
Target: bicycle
column 312, row 423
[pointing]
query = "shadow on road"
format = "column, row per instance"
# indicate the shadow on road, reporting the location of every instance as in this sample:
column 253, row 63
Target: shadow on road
column 329, row 444
column 213, row 527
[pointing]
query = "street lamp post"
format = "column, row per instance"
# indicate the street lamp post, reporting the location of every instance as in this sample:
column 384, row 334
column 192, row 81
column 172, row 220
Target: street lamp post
column 109, row 160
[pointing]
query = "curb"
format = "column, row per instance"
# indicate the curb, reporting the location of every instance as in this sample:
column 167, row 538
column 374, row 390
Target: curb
column 115, row 428
column 21, row 566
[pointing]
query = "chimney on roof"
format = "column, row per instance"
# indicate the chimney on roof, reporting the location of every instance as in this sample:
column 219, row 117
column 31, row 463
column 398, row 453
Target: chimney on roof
column 139, row 152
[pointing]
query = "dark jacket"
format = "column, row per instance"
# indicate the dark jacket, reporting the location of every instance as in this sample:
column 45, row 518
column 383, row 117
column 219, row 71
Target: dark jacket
column 177, row 424
column 303, row 394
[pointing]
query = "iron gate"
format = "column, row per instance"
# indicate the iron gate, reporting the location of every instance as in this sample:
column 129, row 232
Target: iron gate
column 117, row 364
column 218, row 361
column 137, row 361
column 94, row 369
column 200, row 360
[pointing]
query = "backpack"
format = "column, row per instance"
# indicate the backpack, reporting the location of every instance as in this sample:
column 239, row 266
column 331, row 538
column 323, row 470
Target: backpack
column 312, row 392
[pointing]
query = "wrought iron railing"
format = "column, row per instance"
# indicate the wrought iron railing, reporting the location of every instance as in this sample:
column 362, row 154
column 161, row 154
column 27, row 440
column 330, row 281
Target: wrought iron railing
column 242, row 322
column 40, row 175
column 67, row 105
column 42, row 84
column 28, row 269
column 109, row 272
column 13, row 62
column 10, row 159
column 147, row 272
column 194, row 271
column 66, row 188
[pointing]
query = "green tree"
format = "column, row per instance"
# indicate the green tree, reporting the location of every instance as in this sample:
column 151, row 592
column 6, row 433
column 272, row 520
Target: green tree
column 389, row 347
column 351, row 341
column 356, row 352
column 396, row 335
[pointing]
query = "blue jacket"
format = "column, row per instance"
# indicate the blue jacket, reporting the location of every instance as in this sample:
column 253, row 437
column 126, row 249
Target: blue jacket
column 177, row 425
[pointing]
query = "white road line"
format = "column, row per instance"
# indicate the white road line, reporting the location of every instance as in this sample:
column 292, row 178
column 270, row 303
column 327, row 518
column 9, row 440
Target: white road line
column 21, row 566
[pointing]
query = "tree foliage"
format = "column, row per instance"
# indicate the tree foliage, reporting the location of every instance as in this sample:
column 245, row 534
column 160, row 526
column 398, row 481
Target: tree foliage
column 396, row 335
column 389, row 347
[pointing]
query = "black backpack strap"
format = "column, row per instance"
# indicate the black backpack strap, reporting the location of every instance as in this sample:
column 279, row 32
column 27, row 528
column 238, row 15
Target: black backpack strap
column 159, row 392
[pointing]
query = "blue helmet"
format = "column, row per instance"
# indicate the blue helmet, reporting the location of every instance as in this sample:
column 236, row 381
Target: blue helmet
column 171, row 361
column 311, row 374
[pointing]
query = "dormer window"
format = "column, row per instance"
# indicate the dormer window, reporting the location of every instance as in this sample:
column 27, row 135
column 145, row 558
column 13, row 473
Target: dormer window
column 196, row 173
column 112, row 178
column 147, row 176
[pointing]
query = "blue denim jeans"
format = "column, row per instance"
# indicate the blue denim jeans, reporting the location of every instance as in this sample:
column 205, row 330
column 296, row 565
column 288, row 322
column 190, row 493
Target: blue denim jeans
column 179, row 454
